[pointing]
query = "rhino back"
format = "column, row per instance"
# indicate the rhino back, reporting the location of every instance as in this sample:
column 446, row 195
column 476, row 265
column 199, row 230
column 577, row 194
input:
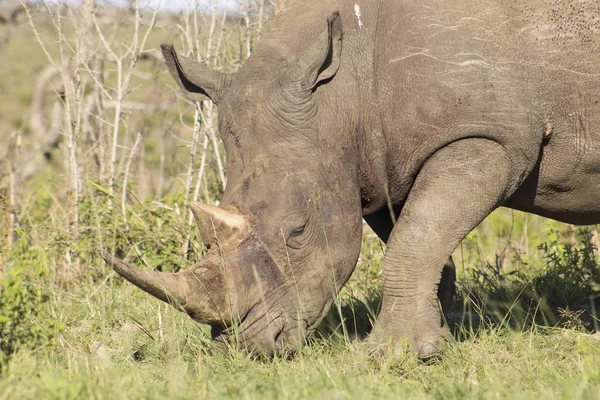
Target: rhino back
column 502, row 69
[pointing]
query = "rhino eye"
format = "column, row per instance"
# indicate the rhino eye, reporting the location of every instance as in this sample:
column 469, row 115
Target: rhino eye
column 298, row 231
column 298, row 239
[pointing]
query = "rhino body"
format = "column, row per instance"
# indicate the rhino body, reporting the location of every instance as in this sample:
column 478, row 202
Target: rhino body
column 422, row 116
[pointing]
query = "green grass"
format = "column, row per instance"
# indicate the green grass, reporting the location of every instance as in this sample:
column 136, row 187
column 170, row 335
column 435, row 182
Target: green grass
column 106, row 354
column 119, row 342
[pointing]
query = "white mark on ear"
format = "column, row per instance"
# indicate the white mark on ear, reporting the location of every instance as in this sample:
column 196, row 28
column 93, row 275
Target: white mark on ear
column 357, row 12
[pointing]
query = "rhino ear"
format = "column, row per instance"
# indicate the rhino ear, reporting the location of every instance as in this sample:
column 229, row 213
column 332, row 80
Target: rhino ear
column 197, row 81
column 322, row 60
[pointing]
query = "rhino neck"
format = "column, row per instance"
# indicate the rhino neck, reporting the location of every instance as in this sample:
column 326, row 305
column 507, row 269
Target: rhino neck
column 347, row 119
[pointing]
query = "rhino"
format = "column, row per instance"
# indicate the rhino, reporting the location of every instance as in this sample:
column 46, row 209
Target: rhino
column 420, row 116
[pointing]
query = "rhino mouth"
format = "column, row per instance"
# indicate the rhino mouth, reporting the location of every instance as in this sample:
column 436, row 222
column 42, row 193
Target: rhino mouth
column 263, row 334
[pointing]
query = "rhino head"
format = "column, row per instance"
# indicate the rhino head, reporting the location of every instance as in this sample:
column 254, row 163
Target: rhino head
column 287, row 233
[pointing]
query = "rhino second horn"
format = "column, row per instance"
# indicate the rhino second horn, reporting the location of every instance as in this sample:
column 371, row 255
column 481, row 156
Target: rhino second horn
column 224, row 225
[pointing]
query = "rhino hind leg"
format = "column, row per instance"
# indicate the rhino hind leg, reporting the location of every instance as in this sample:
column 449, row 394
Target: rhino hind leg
column 447, row 286
column 455, row 190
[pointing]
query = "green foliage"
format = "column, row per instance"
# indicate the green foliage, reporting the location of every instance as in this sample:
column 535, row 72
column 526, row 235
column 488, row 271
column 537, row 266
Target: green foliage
column 122, row 343
column 24, row 320
column 548, row 293
column 153, row 234
column 571, row 276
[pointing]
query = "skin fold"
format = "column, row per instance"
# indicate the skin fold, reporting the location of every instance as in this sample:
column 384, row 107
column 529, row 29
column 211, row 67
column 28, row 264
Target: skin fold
column 422, row 116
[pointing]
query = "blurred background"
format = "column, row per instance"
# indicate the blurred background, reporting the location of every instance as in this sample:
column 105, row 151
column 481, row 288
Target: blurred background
column 88, row 109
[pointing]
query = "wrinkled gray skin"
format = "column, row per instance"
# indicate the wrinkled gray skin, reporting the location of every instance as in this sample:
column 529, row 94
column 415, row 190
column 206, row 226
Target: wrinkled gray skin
column 444, row 110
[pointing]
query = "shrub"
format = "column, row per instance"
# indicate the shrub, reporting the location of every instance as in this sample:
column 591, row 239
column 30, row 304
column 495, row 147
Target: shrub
column 24, row 321
column 568, row 280
column 571, row 275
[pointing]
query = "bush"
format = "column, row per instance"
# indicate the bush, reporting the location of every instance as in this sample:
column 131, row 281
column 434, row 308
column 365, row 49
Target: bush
column 24, row 322
column 572, row 274
column 157, row 233
column 566, row 285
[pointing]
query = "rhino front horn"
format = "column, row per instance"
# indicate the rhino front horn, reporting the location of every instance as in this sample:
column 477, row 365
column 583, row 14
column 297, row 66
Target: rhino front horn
column 224, row 226
column 195, row 291
column 168, row 287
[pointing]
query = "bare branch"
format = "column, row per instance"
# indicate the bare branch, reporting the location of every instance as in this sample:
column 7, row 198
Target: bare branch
column 138, row 140
column 25, row 6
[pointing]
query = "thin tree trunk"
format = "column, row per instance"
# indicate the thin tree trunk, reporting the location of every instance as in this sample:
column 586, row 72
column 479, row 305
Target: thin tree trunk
column 138, row 140
column 15, row 160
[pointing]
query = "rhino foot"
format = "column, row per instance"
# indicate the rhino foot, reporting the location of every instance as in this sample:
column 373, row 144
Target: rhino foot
column 425, row 343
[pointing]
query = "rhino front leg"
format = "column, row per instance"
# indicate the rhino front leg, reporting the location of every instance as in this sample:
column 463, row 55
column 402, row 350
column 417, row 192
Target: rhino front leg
column 382, row 224
column 455, row 190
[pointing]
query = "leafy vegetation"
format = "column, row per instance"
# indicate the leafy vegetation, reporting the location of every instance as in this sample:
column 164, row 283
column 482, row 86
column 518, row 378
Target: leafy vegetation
column 95, row 336
column 24, row 320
